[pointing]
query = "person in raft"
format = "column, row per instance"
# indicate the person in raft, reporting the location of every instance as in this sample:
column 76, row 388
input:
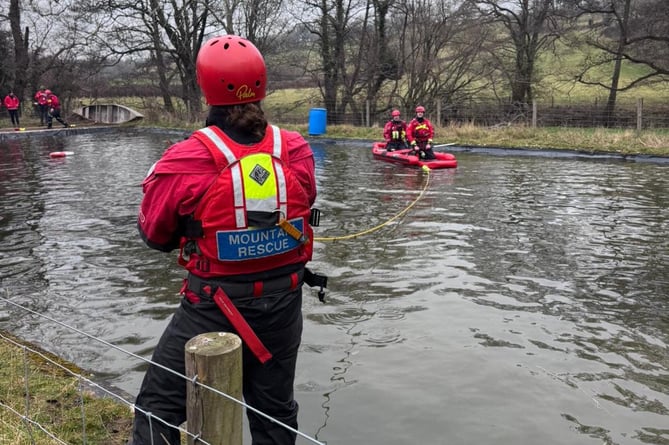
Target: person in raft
column 394, row 132
column 223, row 197
column 12, row 103
column 420, row 133
column 53, row 104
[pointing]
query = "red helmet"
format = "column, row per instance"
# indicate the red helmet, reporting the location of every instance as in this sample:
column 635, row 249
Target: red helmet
column 420, row 109
column 47, row 91
column 395, row 113
column 230, row 70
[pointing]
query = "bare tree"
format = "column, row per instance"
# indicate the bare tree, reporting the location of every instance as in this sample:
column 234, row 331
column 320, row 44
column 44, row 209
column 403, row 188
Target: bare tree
column 623, row 31
column 531, row 26
column 169, row 33
column 6, row 58
column 265, row 22
column 53, row 43
column 381, row 60
column 442, row 43
column 330, row 24
column 20, row 39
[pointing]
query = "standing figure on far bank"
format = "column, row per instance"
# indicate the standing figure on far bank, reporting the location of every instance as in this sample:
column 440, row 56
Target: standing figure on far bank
column 12, row 103
column 394, row 132
column 41, row 99
column 54, row 109
column 420, row 133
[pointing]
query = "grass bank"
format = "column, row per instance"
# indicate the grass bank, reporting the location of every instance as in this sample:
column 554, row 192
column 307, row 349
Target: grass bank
column 652, row 142
column 46, row 390
column 593, row 140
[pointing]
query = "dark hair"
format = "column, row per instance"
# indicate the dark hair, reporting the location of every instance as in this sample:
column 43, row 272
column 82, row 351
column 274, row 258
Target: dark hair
column 245, row 123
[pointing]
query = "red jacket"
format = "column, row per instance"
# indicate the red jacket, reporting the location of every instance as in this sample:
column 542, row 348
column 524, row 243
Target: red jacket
column 176, row 183
column 420, row 130
column 53, row 102
column 12, row 102
column 394, row 126
column 41, row 97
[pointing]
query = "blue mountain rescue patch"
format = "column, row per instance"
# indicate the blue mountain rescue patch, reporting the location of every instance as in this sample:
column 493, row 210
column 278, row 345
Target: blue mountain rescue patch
column 249, row 244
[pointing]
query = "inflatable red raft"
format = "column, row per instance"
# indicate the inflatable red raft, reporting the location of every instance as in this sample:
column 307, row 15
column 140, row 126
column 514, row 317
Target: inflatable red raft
column 444, row 160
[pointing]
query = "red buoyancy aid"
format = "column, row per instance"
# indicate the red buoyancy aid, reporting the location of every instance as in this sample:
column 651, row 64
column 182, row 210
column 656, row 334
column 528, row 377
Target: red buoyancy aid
column 53, row 102
column 421, row 130
column 41, row 97
column 238, row 216
column 395, row 130
column 12, row 102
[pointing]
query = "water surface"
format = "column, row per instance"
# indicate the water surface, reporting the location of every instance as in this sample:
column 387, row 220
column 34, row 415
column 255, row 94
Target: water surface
column 520, row 301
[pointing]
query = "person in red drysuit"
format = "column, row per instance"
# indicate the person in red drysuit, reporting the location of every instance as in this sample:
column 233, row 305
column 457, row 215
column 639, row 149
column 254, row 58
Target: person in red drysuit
column 420, row 133
column 394, row 132
column 42, row 105
column 53, row 105
column 221, row 197
column 12, row 103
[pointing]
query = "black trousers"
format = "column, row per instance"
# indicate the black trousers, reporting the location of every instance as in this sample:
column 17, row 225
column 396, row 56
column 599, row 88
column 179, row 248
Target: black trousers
column 14, row 115
column 43, row 111
column 423, row 152
column 396, row 145
column 54, row 114
column 277, row 321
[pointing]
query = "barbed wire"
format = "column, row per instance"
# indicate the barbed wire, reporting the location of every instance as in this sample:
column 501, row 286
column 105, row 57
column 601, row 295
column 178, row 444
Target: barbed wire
column 110, row 393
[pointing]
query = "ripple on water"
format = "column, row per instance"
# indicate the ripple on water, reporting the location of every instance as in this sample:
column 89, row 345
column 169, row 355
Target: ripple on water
column 518, row 298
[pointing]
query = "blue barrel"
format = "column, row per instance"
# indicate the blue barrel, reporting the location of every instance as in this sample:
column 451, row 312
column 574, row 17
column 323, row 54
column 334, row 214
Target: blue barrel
column 317, row 121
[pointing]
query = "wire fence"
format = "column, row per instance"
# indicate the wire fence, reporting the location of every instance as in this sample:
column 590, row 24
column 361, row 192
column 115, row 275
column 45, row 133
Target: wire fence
column 34, row 366
column 638, row 114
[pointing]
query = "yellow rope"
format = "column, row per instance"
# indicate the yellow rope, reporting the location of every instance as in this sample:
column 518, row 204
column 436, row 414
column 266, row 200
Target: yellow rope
column 365, row 232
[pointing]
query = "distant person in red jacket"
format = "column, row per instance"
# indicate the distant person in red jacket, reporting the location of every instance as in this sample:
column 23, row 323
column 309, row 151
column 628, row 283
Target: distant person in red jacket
column 12, row 103
column 394, row 132
column 420, row 133
column 54, row 109
column 42, row 106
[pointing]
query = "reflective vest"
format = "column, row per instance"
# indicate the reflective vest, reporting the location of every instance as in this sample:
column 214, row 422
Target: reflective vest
column 397, row 132
column 235, row 227
column 421, row 130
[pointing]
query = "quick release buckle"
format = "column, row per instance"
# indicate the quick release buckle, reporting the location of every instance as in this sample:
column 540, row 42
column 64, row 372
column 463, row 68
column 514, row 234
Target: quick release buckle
column 316, row 279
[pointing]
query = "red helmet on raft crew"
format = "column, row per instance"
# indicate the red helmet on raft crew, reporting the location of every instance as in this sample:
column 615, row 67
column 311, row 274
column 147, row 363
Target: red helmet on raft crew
column 420, row 109
column 395, row 113
column 230, row 71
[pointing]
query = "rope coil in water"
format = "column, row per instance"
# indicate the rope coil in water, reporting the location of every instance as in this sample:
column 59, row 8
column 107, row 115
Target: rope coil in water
column 426, row 169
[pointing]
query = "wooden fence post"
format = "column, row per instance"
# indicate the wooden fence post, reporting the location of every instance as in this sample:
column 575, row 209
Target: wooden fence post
column 215, row 358
column 534, row 114
column 439, row 113
column 639, row 114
